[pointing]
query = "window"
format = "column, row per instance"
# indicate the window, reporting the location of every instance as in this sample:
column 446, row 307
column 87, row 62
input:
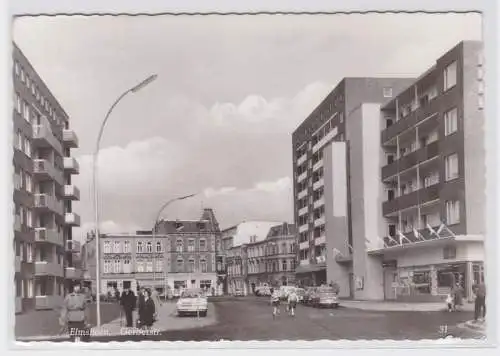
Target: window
column 29, row 252
column 29, row 218
column 116, row 247
column 149, row 266
column 126, row 266
column 450, row 76
column 18, row 103
column 117, row 266
column 450, row 121
column 139, row 247
column 29, row 183
column 451, row 166
column 107, row 266
column 179, row 245
column 158, row 247
column 107, row 246
column 149, row 247
column 203, row 245
column 26, row 111
column 159, row 265
column 27, row 146
column 452, row 212
column 387, row 91
column 191, row 245
column 28, row 82
column 140, row 266
column 31, row 289
column 126, row 247
column 180, row 264
column 23, row 77
column 16, row 68
column 191, row 265
column 204, row 266
column 284, row 265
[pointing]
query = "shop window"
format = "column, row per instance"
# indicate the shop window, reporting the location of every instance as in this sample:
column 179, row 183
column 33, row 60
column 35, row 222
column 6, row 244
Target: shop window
column 422, row 282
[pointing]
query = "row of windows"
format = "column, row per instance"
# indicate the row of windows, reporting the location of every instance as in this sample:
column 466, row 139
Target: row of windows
column 23, row 143
column 147, row 247
column 274, row 266
column 24, row 214
column 273, row 249
column 125, row 266
column 35, row 91
column 23, row 180
column 25, row 252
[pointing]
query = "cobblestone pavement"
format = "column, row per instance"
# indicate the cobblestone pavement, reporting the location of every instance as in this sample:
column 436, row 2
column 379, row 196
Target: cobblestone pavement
column 251, row 319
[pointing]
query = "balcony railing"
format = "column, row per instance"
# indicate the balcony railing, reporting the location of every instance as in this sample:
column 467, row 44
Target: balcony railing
column 329, row 136
column 71, row 165
column 303, row 211
column 47, row 302
column 43, row 234
column 301, row 159
column 320, row 240
column 46, row 201
column 318, row 165
column 45, row 268
column 304, row 262
column 302, row 176
column 303, row 228
column 318, row 184
column 43, row 136
column 411, row 120
column 303, row 245
column 70, row 138
column 72, row 219
column 73, row 246
column 319, row 202
column 411, row 238
column 414, row 198
column 73, row 273
column 410, row 160
column 44, row 169
column 71, row 192
column 319, row 221
column 302, row 194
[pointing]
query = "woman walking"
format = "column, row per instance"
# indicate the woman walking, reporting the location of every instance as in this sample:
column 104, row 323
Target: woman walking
column 148, row 311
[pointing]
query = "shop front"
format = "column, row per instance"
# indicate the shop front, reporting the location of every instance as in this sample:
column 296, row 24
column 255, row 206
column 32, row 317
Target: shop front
column 310, row 275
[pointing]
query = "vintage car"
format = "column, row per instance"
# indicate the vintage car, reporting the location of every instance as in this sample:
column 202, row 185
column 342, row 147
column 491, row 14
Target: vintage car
column 309, row 295
column 325, row 297
column 284, row 290
column 238, row 293
column 263, row 291
column 301, row 292
column 192, row 302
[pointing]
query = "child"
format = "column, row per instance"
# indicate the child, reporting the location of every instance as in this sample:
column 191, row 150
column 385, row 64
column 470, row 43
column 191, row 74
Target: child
column 449, row 302
column 275, row 302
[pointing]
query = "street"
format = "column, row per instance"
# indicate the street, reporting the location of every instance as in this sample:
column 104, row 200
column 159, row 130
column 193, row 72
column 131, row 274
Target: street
column 249, row 318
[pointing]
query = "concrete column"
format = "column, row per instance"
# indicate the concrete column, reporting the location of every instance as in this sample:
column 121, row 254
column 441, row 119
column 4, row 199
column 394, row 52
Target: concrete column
column 434, row 281
column 469, row 281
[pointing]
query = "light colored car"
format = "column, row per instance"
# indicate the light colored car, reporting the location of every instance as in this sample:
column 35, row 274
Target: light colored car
column 192, row 302
column 326, row 297
column 301, row 292
column 264, row 291
column 238, row 293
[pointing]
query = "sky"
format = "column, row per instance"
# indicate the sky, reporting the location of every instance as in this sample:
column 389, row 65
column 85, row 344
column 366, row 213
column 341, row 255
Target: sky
column 230, row 91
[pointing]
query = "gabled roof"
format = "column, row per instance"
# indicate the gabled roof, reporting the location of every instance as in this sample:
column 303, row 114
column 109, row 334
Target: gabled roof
column 246, row 230
column 284, row 229
column 207, row 224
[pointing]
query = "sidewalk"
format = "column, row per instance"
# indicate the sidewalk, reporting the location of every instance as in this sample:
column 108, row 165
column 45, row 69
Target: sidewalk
column 167, row 320
column 478, row 326
column 398, row 306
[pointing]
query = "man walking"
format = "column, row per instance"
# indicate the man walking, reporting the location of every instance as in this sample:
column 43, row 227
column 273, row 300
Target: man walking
column 128, row 303
column 74, row 315
column 479, row 290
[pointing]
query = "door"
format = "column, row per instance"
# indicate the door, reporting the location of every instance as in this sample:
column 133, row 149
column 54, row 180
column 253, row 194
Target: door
column 390, row 283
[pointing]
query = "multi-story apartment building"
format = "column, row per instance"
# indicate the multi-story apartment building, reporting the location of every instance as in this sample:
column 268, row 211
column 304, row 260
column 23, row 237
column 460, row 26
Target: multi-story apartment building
column 273, row 260
column 433, row 172
column 181, row 254
column 320, row 159
column 43, row 216
column 404, row 209
column 240, row 239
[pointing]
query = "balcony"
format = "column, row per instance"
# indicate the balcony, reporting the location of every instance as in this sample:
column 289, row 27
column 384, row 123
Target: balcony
column 421, row 155
column 303, row 228
column 70, row 139
column 72, row 219
column 43, row 136
column 302, row 194
column 71, row 192
column 304, row 262
column 302, row 159
column 43, row 234
column 17, row 223
column 303, row 211
column 319, row 184
column 411, row 120
column 301, row 177
column 319, row 202
column 17, row 264
column 320, row 221
column 304, row 245
column 46, row 268
column 415, row 198
column 48, row 203
column 318, row 165
column 73, row 273
column 329, row 136
column 48, row 302
column 73, row 246
column 71, row 165
column 45, row 170
column 320, row 240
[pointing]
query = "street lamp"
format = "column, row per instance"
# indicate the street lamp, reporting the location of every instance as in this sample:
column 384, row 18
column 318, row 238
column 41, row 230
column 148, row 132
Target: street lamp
column 134, row 89
column 163, row 207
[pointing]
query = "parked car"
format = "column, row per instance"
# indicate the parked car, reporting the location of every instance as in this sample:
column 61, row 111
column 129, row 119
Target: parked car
column 301, row 292
column 284, row 290
column 309, row 295
column 325, row 297
column 192, row 302
column 238, row 293
column 263, row 291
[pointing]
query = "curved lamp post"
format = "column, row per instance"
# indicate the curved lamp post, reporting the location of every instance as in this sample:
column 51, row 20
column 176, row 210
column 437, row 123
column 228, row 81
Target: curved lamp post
column 163, row 207
column 134, row 89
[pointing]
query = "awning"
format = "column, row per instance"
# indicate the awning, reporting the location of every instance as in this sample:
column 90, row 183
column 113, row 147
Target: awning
column 310, row 268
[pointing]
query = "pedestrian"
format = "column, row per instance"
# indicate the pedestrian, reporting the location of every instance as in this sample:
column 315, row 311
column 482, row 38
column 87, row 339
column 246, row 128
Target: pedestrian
column 74, row 315
column 140, row 305
column 292, row 301
column 449, row 302
column 457, row 296
column 147, row 310
column 275, row 302
column 117, row 294
column 479, row 290
column 128, row 303
column 156, row 300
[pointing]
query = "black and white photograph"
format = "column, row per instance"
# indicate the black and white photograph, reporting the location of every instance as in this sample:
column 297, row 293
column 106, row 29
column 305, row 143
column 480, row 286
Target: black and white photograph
column 206, row 177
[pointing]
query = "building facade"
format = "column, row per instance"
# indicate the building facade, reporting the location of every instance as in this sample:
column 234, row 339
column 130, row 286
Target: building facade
column 328, row 127
column 180, row 255
column 403, row 210
column 43, row 191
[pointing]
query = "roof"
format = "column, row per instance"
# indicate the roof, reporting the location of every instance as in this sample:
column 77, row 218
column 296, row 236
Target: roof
column 245, row 230
column 284, row 229
column 207, row 224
